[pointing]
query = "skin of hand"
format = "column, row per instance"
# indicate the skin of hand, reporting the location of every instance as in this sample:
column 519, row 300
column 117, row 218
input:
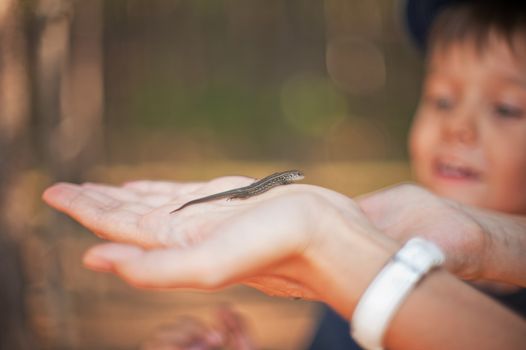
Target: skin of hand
column 291, row 241
column 476, row 241
column 189, row 333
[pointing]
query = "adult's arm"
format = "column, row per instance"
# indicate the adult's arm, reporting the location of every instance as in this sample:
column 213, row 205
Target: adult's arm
column 294, row 241
column 445, row 313
column 479, row 244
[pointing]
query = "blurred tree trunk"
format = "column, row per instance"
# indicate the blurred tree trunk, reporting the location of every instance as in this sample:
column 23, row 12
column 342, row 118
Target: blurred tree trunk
column 70, row 85
column 68, row 107
column 14, row 329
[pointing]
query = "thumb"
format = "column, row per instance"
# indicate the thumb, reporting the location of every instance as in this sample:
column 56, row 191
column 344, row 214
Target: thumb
column 376, row 204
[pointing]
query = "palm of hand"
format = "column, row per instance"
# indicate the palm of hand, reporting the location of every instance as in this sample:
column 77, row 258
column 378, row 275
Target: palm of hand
column 207, row 244
column 137, row 212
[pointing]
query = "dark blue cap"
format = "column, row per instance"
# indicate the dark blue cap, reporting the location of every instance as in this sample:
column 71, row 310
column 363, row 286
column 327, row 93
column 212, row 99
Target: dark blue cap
column 420, row 14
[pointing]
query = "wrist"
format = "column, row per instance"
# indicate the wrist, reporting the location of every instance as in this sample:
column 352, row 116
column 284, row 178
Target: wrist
column 346, row 255
column 486, row 264
column 467, row 251
column 389, row 289
column 503, row 258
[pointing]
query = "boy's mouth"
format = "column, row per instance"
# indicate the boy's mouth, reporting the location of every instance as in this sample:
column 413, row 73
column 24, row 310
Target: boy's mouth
column 452, row 170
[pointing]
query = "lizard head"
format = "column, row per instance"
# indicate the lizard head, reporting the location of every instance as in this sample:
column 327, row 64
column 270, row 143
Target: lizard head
column 295, row 175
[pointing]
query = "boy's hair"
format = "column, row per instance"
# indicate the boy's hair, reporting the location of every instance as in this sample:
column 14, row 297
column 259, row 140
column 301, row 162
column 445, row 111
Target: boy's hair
column 478, row 21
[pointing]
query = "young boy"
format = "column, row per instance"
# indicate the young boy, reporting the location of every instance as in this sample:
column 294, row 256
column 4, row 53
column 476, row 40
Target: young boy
column 468, row 139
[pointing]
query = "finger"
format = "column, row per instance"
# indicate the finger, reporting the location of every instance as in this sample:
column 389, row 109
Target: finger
column 161, row 187
column 82, row 204
column 376, row 204
column 127, row 200
column 391, row 197
column 225, row 258
column 62, row 195
column 104, row 215
column 110, row 218
column 374, row 199
column 182, row 188
column 119, row 193
column 97, row 258
column 130, row 195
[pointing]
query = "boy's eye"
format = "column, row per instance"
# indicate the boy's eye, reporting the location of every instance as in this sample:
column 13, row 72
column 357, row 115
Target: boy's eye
column 442, row 103
column 507, row 111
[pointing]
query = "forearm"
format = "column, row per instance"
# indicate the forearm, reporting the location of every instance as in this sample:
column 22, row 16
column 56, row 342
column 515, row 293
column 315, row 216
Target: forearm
column 505, row 255
column 479, row 244
column 442, row 312
column 445, row 313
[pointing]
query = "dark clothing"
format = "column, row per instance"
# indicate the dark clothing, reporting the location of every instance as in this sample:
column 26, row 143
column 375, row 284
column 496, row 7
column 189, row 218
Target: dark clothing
column 515, row 301
column 332, row 333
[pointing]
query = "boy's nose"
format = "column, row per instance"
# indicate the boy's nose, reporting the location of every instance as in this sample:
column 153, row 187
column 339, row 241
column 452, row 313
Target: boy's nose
column 461, row 128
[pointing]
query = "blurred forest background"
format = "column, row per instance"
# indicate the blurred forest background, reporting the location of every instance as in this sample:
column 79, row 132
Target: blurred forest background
column 114, row 90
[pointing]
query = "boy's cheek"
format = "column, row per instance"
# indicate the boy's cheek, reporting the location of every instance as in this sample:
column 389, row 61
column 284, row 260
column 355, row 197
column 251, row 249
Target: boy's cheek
column 421, row 167
column 422, row 140
column 507, row 180
column 506, row 161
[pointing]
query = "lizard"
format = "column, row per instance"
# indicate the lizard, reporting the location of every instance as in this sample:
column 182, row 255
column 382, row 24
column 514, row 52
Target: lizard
column 254, row 189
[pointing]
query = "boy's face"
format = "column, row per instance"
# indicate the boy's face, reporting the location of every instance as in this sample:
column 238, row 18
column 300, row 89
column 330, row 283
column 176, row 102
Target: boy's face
column 468, row 140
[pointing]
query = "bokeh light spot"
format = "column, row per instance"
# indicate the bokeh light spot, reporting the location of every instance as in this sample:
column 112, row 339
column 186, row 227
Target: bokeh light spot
column 356, row 65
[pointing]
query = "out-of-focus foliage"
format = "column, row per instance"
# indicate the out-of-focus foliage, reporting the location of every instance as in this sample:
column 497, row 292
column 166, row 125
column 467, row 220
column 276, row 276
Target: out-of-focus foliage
column 257, row 79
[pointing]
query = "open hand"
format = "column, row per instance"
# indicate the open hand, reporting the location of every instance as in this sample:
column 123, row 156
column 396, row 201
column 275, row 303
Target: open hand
column 291, row 241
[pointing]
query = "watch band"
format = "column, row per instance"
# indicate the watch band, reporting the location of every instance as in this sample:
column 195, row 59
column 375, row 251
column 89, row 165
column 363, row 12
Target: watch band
column 389, row 289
